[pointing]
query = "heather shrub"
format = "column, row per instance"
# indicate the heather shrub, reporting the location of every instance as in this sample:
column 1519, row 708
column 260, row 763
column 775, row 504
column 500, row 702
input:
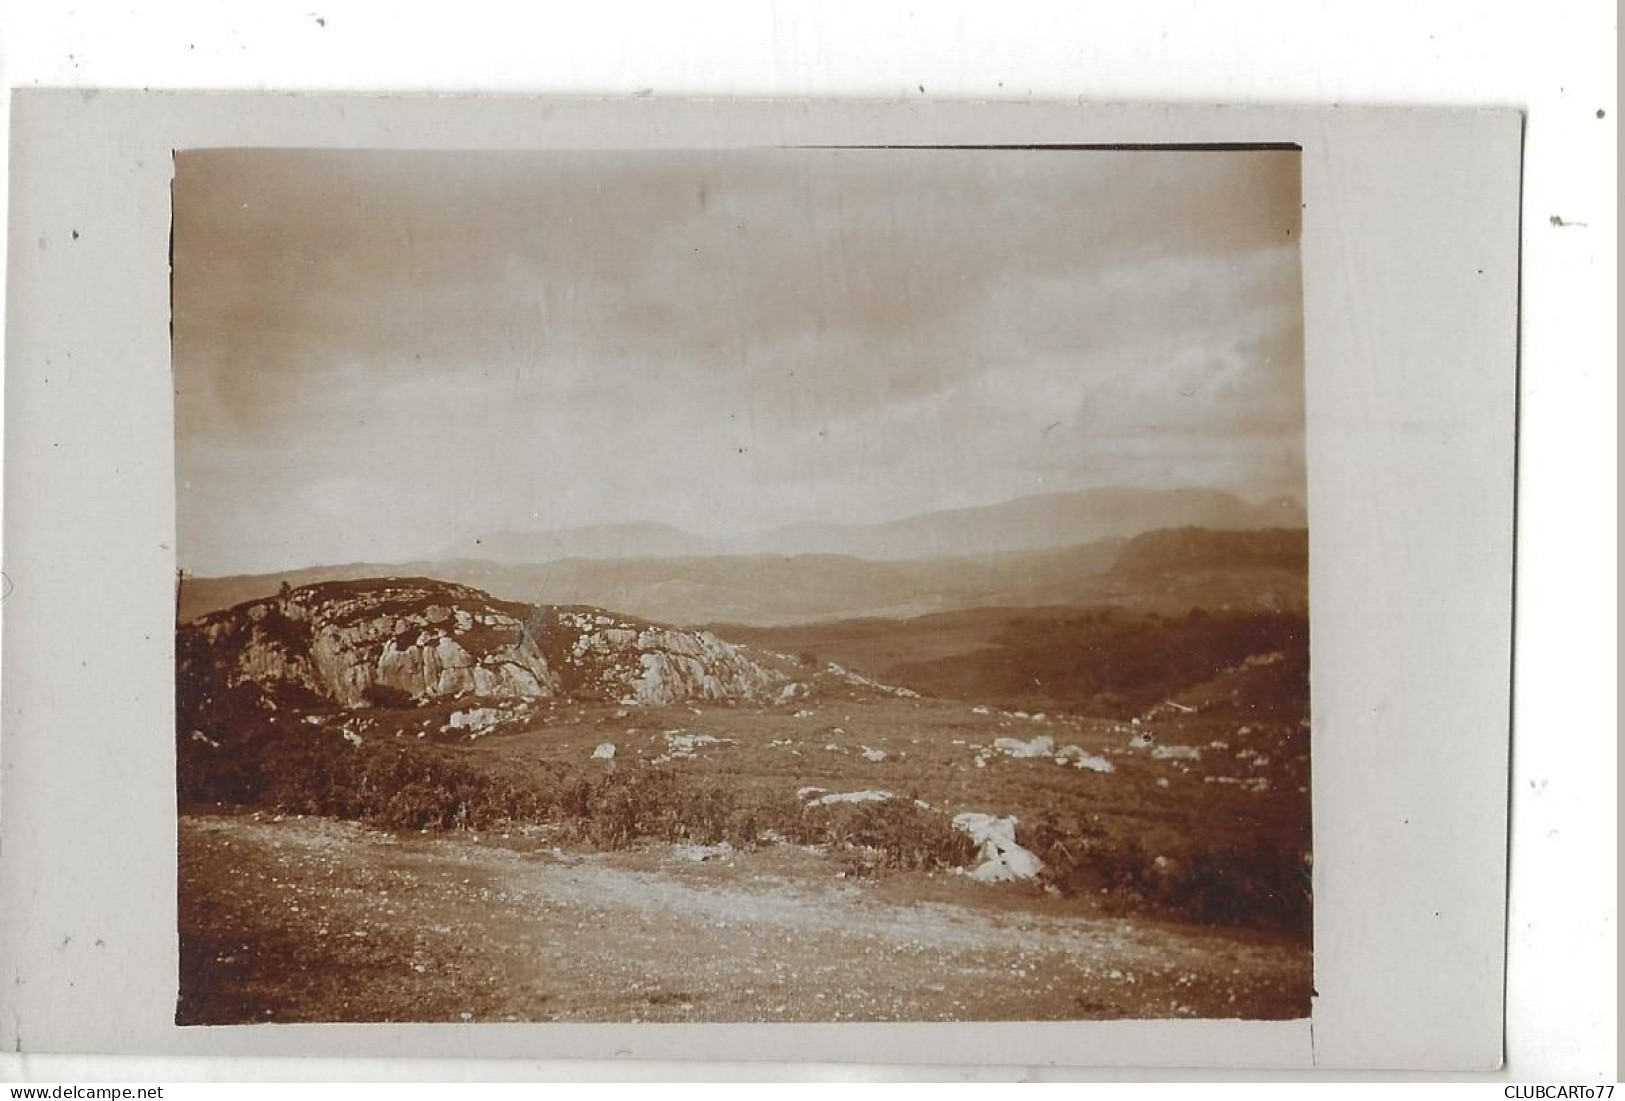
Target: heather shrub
column 1260, row 883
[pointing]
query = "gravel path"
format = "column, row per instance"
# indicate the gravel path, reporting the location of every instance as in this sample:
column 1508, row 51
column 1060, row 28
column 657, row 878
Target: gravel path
column 315, row 920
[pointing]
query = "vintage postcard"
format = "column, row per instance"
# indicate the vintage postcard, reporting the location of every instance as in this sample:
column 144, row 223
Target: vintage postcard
column 860, row 582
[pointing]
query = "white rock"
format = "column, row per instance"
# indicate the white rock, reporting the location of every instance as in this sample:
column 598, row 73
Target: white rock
column 852, row 797
column 1041, row 746
column 477, row 718
column 605, row 751
column 683, row 744
column 1001, row 858
column 1077, row 758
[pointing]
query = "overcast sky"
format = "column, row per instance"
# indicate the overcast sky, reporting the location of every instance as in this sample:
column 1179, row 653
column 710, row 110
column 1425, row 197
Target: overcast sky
column 381, row 354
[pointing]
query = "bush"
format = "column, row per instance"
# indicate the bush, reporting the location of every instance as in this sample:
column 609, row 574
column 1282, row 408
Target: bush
column 1258, row 884
column 626, row 807
column 1263, row 884
column 899, row 835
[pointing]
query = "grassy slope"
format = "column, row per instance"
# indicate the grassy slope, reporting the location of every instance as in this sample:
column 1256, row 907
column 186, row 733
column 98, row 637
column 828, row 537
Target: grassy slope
column 1099, row 661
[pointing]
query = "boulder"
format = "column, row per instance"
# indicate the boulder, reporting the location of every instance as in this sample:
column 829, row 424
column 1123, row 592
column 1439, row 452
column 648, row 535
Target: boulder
column 1001, row 858
column 1041, row 746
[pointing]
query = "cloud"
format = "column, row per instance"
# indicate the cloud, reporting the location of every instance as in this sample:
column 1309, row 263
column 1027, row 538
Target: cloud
column 381, row 353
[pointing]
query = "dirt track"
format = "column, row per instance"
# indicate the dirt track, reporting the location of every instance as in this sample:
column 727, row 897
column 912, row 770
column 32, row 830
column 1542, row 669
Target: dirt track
column 316, row 920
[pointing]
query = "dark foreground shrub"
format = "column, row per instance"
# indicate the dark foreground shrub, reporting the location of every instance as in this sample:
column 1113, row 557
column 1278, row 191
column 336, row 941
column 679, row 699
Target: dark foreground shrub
column 1258, row 884
column 1261, row 884
column 314, row 771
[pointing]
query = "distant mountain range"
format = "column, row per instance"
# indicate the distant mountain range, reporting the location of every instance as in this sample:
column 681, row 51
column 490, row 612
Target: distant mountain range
column 1043, row 522
column 756, row 589
column 1055, row 548
column 1164, row 571
column 601, row 541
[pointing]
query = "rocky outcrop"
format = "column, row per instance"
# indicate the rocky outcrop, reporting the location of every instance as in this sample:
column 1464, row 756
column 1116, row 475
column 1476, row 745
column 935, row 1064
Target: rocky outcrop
column 406, row 641
column 600, row 655
column 388, row 641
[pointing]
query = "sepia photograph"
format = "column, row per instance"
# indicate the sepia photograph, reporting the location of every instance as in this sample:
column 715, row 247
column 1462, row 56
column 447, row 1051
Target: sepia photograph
column 753, row 585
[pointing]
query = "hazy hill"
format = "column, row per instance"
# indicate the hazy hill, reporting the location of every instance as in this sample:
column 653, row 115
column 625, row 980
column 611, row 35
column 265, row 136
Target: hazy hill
column 1058, row 548
column 1168, row 572
column 769, row 589
column 604, row 541
column 1188, row 550
column 760, row 589
column 1041, row 522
